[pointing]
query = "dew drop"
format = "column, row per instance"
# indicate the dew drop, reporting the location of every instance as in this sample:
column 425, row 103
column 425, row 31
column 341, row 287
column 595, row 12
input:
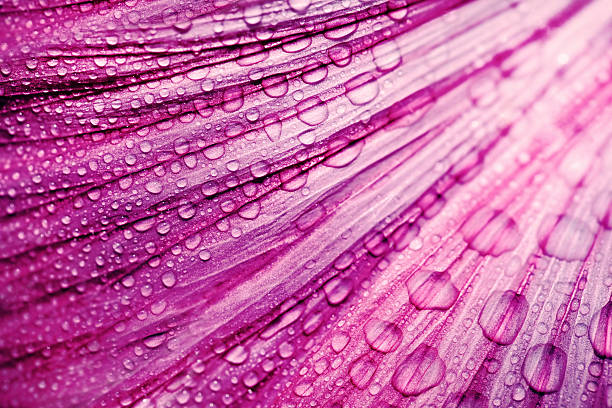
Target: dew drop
column 339, row 341
column 422, row 370
column 362, row 89
column 431, row 290
column 154, row 340
column 299, row 6
column 250, row 211
column 565, row 237
column 312, row 111
column 186, row 211
column 314, row 72
column 275, row 86
column 382, row 336
column 600, row 331
column 502, row 316
column 491, row 232
column 304, row 389
column 337, row 290
column 361, row 371
column 168, row 279
column 544, row 368
column 386, row 55
column 154, row 187
column 307, row 137
column 340, row 55
column 237, row 355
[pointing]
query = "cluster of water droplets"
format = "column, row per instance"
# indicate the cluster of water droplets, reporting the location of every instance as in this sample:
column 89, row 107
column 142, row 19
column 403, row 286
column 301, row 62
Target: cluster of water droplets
column 305, row 203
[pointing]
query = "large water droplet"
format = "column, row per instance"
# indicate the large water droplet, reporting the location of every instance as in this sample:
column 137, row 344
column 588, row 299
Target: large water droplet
column 154, row 340
column 237, row 354
column 299, row 6
column 565, row 237
column 275, row 86
column 362, row 89
column 361, row 371
column 431, row 290
column 422, row 370
column 339, row 341
column 600, row 331
column 312, row 111
column 491, row 232
column 544, row 368
column 337, row 290
column 503, row 316
column 386, row 55
column 382, row 336
column 154, row 187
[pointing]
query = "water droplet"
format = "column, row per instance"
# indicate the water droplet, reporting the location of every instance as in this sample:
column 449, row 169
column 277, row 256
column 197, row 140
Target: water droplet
column 285, row 350
column 312, row 322
column 340, row 54
column 387, row 55
column 252, row 14
column 250, row 211
column 307, row 137
column 565, row 237
column 154, row 340
column 250, row 379
column 303, row 389
column 431, row 290
column 237, row 355
column 214, row 152
column 600, row 331
column 168, row 279
column 314, row 72
column 502, row 316
column 345, row 156
column 339, row 341
column 337, row 290
column 362, row 89
column 282, row 321
column 382, row 336
column 361, row 371
column 491, row 232
column 312, row 111
column 204, row 255
column 299, row 6
column 544, row 368
column 275, row 86
column 186, row 211
column 232, row 99
column 154, row 187
column 422, row 370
